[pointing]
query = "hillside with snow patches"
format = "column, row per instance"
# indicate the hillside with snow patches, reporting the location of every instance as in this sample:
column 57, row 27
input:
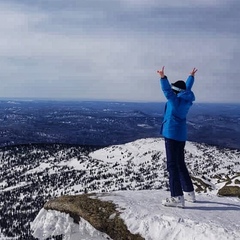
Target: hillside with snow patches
column 33, row 174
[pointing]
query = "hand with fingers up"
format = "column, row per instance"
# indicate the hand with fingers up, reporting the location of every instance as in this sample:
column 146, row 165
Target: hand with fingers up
column 192, row 73
column 161, row 72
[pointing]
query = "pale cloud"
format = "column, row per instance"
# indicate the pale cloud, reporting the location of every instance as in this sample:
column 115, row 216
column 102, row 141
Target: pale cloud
column 112, row 50
column 165, row 3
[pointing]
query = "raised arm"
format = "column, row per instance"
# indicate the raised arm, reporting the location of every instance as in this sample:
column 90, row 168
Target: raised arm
column 165, row 85
column 190, row 80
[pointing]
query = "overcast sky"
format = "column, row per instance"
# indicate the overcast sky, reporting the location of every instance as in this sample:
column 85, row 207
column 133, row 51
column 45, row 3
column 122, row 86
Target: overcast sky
column 111, row 49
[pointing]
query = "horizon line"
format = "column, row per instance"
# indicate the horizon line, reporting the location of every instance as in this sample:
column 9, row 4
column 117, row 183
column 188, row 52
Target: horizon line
column 99, row 100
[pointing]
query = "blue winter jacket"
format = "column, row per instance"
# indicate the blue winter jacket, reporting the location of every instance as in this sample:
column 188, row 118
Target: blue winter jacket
column 174, row 124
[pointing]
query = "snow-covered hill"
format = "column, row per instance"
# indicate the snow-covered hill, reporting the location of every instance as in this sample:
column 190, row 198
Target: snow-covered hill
column 32, row 174
column 207, row 164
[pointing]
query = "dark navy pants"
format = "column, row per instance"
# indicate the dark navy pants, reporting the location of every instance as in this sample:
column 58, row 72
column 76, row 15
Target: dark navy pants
column 179, row 179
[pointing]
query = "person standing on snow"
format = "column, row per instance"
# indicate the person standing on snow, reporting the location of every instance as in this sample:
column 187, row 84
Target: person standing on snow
column 174, row 130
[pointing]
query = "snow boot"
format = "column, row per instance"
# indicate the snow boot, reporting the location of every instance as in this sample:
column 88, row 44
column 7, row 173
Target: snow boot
column 174, row 202
column 190, row 196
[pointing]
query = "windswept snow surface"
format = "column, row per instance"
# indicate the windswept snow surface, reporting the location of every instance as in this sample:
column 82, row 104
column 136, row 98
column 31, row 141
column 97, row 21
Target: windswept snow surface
column 137, row 151
column 52, row 223
column 211, row 217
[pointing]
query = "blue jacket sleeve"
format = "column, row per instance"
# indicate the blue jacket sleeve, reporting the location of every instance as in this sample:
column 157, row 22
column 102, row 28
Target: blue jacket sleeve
column 167, row 89
column 189, row 82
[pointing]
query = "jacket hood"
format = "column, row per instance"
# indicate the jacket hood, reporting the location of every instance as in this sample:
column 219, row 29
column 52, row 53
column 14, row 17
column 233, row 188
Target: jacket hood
column 187, row 95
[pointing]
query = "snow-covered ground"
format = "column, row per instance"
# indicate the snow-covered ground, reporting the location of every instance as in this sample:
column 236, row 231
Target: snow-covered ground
column 34, row 175
column 211, row 217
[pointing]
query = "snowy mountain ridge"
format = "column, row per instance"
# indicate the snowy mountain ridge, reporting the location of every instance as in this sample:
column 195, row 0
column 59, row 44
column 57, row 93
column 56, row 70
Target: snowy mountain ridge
column 30, row 175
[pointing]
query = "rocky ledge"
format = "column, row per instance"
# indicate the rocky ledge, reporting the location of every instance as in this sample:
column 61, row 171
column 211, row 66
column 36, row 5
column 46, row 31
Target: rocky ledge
column 102, row 215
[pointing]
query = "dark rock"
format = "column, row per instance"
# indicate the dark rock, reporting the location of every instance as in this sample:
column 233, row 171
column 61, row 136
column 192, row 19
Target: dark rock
column 230, row 191
column 102, row 215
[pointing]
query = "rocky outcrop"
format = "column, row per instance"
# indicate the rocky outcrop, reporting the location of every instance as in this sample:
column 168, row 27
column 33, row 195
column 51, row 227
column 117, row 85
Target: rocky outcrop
column 102, row 215
column 231, row 188
column 231, row 191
